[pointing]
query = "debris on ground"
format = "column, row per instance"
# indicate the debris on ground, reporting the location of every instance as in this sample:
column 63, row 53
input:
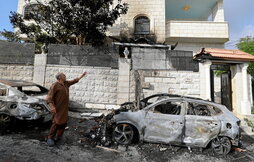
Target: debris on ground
column 109, row 149
column 239, row 149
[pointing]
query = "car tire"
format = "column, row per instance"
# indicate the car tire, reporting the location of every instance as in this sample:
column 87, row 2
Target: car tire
column 221, row 145
column 123, row 134
column 5, row 121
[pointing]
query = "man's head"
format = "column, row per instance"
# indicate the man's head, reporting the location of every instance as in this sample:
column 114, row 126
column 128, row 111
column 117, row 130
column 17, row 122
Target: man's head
column 60, row 76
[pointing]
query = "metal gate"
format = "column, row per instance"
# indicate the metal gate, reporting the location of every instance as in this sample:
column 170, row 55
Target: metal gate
column 226, row 91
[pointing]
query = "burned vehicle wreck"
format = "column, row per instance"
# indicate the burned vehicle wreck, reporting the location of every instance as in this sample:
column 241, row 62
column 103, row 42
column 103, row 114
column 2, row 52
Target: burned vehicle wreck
column 178, row 120
column 22, row 100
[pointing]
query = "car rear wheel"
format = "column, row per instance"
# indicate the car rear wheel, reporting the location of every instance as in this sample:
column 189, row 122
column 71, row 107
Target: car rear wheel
column 221, row 145
column 5, row 121
column 123, row 134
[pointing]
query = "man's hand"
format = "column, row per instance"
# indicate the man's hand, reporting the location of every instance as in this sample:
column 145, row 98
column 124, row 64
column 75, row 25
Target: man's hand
column 52, row 108
column 53, row 111
column 82, row 75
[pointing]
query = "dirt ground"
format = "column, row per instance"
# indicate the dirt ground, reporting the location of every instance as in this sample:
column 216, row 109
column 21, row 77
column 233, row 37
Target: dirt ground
column 26, row 142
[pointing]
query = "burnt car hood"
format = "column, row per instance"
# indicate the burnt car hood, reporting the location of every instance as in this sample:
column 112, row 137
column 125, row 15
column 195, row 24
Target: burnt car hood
column 20, row 106
column 24, row 99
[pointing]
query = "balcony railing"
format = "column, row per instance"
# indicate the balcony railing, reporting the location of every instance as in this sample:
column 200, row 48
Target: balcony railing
column 196, row 31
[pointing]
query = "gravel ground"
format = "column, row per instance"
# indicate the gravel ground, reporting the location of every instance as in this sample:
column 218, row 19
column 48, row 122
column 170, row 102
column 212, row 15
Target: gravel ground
column 26, row 142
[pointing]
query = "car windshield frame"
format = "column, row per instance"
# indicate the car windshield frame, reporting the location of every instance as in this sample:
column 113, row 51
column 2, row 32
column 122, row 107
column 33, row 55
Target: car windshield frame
column 42, row 89
column 173, row 99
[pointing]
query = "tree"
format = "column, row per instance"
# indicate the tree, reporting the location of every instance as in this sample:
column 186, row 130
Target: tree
column 68, row 21
column 247, row 45
column 10, row 36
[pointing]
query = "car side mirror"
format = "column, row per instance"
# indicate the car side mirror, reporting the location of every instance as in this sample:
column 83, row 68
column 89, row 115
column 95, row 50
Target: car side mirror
column 3, row 92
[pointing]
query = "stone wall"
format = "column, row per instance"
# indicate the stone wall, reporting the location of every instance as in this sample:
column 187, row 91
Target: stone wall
column 16, row 72
column 16, row 53
column 163, row 59
column 97, row 90
column 75, row 55
column 173, row 82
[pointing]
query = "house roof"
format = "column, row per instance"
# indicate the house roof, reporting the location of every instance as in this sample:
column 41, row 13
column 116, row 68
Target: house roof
column 224, row 54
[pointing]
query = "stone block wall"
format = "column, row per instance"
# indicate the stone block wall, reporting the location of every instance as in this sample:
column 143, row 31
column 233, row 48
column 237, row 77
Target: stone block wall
column 97, row 90
column 174, row 82
column 16, row 72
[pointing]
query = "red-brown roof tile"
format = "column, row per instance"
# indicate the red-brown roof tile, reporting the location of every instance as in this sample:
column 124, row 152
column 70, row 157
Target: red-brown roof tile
column 228, row 54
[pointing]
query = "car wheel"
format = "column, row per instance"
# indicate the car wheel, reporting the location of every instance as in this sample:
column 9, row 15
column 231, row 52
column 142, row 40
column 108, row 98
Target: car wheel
column 123, row 134
column 5, row 121
column 221, row 145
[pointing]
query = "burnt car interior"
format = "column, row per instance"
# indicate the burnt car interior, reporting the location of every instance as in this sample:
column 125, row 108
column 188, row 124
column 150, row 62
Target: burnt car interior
column 202, row 110
column 168, row 108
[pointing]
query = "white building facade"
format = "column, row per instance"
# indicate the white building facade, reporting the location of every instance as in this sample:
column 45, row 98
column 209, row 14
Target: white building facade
column 192, row 23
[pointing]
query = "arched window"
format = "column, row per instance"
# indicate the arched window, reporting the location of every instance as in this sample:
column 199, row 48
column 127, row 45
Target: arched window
column 29, row 9
column 142, row 25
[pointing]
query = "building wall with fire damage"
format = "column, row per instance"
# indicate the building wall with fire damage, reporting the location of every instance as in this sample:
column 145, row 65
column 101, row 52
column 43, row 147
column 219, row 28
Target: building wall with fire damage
column 111, row 79
column 158, row 70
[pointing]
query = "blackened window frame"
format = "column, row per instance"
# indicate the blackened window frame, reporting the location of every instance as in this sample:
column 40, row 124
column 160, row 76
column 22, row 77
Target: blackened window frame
column 142, row 25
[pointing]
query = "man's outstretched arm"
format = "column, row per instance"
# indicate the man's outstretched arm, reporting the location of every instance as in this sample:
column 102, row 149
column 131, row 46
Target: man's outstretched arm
column 82, row 75
column 71, row 82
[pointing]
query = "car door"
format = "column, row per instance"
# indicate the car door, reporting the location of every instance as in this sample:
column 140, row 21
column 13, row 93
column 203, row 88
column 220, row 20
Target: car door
column 167, row 125
column 200, row 124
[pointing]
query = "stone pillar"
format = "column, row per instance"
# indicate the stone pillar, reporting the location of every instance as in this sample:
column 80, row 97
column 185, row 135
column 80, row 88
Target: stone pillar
column 205, row 80
column 236, row 88
column 245, row 102
column 218, row 12
column 123, row 87
column 40, row 63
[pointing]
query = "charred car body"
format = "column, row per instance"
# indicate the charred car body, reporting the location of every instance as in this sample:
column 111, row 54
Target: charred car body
column 178, row 120
column 22, row 100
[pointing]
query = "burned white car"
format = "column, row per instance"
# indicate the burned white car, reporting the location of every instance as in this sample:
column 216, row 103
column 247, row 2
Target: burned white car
column 180, row 120
column 22, row 100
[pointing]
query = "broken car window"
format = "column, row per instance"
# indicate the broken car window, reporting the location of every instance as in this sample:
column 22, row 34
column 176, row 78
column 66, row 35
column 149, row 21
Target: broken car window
column 216, row 110
column 31, row 90
column 173, row 108
column 198, row 109
column 156, row 98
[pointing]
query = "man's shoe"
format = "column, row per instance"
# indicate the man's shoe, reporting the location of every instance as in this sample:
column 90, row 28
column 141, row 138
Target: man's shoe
column 56, row 139
column 50, row 142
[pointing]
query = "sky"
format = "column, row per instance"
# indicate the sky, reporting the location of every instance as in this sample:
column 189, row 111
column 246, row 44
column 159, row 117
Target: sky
column 238, row 13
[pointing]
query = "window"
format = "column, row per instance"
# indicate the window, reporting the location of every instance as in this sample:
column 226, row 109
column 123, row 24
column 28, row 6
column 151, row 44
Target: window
column 173, row 108
column 28, row 10
column 199, row 109
column 142, row 25
column 32, row 90
column 156, row 98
